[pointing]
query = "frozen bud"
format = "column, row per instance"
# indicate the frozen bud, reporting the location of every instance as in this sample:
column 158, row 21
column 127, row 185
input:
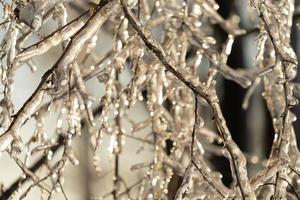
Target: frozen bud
column 60, row 12
column 103, row 78
column 62, row 179
column 119, row 62
column 37, row 22
column 173, row 24
column 210, row 40
column 49, row 155
column 290, row 71
column 23, row 176
column 137, row 52
column 292, row 101
column 57, row 188
column 118, row 45
column 196, row 10
column 91, row 43
column 140, row 79
column 72, row 157
column 96, row 164
column 16, row 146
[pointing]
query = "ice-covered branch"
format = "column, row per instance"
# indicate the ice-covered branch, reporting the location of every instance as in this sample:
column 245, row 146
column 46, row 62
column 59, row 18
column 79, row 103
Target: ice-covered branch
column 208, row 94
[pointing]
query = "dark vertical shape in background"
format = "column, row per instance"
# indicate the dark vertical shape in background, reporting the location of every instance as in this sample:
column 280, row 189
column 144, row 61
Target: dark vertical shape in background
column 231, row 103
column 294, row 42
column 233, row 98
column 233, row 95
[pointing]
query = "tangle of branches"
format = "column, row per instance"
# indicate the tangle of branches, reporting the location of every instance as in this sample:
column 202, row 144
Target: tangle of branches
column 154, row 63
